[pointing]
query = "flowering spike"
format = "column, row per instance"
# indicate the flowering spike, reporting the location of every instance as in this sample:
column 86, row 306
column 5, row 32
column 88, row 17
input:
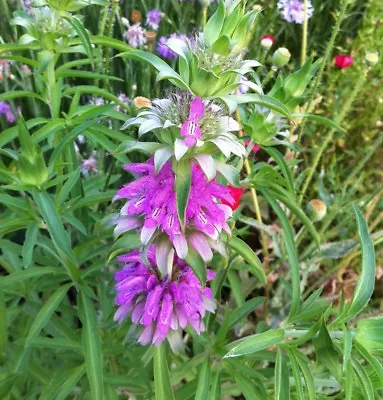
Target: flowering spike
column 164, row 303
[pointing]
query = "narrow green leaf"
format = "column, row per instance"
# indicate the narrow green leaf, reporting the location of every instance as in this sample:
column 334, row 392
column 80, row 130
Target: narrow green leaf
column 86, row 75
column 204, row 378
column 254, row 343
column 107, row 144
column 94, row 199
column 16, row 94
column 45, row 313
column 347, row 347
column 366, row 282
column 82, row 33
column 67, row 187
column 30, row 273
column 282, row 387
column 92, row 346
column 215, row 389
column 296, row 209
column 297, row 375
column 96, row 91
column 57, row 232
column 326, row 353
column 195, row 261
column 165, row 71
column 374, row 362
column 320, row 120
column 163, row 388
column 247, row 387
column 366, row 385
column 349, row 381
column 70, row 382
column 29, row 243
column 182, row 170
column 244, row 250
column 57, row 344
column 279, row 159
column 288, row 238
column 4, row 323
column 304, row 365
column 233, row 101
column 245, row 310
column 214, row 25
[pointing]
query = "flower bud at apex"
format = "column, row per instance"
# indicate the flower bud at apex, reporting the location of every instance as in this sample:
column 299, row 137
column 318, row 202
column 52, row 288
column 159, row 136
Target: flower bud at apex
column 151, row 36
column 316, row 210
column 267, row 41
column 281, row 57
column 342, row 61
column 205, row 3
column 372, row 58
column 136, row 16
column 141, row 102
column 125, row 22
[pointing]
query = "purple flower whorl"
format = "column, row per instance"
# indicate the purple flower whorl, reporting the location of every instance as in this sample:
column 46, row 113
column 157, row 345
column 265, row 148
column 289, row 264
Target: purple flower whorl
column 160, row 304
column 151, row 208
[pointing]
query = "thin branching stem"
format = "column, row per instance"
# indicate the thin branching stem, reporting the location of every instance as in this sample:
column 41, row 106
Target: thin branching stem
column 326, row 57
column 304, row 33
column 329, row 137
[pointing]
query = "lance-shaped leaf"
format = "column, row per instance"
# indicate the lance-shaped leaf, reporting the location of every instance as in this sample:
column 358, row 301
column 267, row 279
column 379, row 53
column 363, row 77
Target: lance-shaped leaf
column 165, row 72
column 366, row 282
column 182, row 170
column 254, row 343
column 250, row 257
column 163, row 388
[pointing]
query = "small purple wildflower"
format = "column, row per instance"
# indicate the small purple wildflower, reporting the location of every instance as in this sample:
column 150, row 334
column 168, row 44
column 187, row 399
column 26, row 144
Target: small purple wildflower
column 97, row 101
column 153, row 18
column 157, row 304
column 27, row 5
column 190, row 129
column 135, row 35
column 293, row 10
column 124, row 99
column 151, row 207
column 162, row 46
column 5, row 109
column 89, row 165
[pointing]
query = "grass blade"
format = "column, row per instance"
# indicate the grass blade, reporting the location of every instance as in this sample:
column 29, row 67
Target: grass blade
column 92, row 347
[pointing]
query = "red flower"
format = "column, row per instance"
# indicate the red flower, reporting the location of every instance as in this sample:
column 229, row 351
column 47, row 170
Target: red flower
column 342, row 61
column 267, row 41
column 236, row 193
column 271, row 37
column 255, row 147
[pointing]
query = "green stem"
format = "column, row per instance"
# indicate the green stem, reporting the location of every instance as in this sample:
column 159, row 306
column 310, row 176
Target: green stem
column 297, row 333
column 326, row 57
column 204, row 17
column 269, row 76
column 304, row 33
column 329, row 137
column 365, row 159
column 108, row 34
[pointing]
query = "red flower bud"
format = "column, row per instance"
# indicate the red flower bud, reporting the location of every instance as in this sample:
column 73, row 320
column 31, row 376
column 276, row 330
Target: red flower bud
column 267, row 41
column 342, row 61
column 255, row 147
column 236, row 193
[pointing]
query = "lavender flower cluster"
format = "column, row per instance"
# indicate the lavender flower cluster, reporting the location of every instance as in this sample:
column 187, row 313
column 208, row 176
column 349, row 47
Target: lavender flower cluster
column 5, row 109
column 177, row 203
column 293, row 10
